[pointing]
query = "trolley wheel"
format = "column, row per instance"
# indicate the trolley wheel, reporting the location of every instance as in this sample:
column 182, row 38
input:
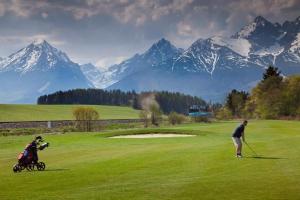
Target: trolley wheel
column 41, row 166
column 16, row 168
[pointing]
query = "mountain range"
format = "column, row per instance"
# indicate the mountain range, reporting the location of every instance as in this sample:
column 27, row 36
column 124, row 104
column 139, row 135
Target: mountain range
column 209, row 68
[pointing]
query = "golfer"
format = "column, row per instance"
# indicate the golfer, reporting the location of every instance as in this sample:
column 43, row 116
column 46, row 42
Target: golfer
column 236, row 137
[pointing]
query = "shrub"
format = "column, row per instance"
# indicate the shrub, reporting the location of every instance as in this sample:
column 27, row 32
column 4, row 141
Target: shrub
column 224, row 113
column 175, row 118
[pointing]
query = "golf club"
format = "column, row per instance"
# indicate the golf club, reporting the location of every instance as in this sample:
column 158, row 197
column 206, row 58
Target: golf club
column 251, row 149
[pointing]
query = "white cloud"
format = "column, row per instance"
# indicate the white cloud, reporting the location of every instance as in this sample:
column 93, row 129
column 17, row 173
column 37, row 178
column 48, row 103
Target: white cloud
column 189, row 30
column 20, row 8
column 139, row 12
column 184, row 29
column 24, row 8
column 125, row 11
column 139, row 23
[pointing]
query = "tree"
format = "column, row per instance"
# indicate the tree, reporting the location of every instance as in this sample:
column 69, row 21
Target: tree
column 144, row 115
column 250, row 108
column 135, row 102
column 156, row 114
column 271, row 71
column 167, row 101
column 215, row 107
column 224, row 113
column 84, row 117
column 266, row 97
column 235, row 102
column 177, row 102
column 291, row 97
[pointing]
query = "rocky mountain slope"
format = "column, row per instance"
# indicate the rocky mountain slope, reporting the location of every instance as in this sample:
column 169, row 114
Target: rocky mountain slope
column 38, row 69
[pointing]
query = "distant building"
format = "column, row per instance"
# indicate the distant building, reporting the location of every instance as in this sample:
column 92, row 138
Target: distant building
column 199, row 111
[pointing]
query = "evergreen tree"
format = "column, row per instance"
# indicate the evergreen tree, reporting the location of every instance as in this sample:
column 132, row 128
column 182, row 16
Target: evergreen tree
column 236, row 101
column 266, row 97
column 167, row 101
column 271, row 71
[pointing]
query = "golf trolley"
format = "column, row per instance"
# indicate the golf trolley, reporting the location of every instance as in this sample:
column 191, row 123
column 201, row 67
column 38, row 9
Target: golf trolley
column 28, row 159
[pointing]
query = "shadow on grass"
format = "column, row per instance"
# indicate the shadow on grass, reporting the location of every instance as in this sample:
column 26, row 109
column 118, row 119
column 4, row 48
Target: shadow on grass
column 264, row 157
column 55, row 170
column 46, row 170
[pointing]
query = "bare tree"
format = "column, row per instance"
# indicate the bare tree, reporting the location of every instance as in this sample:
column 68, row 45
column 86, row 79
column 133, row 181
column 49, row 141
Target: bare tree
column 144, row 115
column 156, row 114
column 84, row 117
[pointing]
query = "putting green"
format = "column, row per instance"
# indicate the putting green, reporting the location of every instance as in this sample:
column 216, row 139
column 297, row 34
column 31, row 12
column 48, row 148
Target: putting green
column 93, row 166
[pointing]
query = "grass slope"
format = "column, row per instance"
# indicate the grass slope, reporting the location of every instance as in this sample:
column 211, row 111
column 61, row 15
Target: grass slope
column 93, row 166
column 60, row 112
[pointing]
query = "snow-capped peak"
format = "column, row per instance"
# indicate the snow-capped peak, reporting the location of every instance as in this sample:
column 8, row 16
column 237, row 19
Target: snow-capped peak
column 39, row 42
column 260, row 20
column 44, row 46
column 162, row 42
column 248, row 30
column 199, row 41
column 37, row 55
column 161, row 51
column 240, row 46
column 162, row 45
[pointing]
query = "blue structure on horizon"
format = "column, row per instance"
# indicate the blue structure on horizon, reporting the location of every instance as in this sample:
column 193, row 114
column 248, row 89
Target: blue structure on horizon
column 199, row 111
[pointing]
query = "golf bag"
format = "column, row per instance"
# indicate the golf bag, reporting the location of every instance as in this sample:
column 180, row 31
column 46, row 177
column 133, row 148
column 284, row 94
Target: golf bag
column 28, row 159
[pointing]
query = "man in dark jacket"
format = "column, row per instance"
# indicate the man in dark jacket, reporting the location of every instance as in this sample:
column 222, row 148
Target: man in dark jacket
column 236, row 137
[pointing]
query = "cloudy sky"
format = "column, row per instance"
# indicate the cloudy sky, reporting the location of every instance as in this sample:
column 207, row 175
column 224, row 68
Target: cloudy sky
column 107, row 31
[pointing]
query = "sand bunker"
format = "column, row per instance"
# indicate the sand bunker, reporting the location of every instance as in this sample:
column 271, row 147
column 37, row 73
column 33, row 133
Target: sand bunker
column 168, row 135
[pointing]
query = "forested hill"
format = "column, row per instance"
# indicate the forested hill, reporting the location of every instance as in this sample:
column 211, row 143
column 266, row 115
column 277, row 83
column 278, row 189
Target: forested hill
column 168, row 101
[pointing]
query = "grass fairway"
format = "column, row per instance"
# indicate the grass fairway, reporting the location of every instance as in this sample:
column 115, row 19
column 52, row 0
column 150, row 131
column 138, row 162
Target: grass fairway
column 92, row 166
column 60, row 112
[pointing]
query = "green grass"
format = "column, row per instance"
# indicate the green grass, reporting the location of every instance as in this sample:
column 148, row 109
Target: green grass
column 60, row 112
column 93, row 166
